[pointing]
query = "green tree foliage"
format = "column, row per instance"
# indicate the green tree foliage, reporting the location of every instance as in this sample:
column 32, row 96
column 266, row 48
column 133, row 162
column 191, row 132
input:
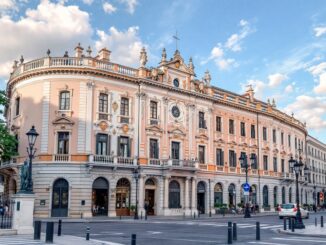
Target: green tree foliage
column 7, row 141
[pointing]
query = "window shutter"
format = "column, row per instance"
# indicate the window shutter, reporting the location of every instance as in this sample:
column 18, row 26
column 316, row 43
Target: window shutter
column 118, row 146
column 108, row 145
column 158, row 150
column 129, row 147
column 235, row 159
column 222, row 158
column 230, row 159
column 97, row 138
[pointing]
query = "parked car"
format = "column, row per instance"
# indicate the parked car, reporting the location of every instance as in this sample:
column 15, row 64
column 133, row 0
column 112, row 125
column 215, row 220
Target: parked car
column 290, row 210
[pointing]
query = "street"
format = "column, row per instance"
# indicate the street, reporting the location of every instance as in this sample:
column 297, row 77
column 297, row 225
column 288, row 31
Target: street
column 178, row 231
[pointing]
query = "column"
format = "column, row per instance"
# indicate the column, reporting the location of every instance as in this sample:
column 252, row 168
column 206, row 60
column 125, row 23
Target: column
column 141, row 195
column 193, row 196
column 166, row 194
column 187, row 210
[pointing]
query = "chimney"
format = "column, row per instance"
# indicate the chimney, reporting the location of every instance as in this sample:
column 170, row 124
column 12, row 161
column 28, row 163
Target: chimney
column 104, row 54
column 78, row 51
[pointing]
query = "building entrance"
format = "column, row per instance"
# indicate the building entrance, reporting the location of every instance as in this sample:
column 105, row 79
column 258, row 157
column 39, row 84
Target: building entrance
column 100, row 197
column 60, row 198
column 201, row 197
column 150, row 200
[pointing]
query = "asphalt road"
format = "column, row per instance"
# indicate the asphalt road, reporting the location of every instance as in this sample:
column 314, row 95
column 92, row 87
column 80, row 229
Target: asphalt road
column 165, row 231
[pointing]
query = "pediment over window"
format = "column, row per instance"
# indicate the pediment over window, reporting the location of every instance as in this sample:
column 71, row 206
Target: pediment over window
column 266, row 148
column 63, row 121
column 232, row 143
column 202, row 137
column 219, row 141
column 275, row 151
column 243, row 145
column 177, row 131
column 283, row 153
column 254, row 146
column 154, row 128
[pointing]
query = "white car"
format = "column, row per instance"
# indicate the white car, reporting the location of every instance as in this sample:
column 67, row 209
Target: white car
column 290, row 210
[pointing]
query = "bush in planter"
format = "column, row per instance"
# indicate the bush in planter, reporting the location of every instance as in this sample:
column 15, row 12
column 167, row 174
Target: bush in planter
column 132, row 208
column 240, row 205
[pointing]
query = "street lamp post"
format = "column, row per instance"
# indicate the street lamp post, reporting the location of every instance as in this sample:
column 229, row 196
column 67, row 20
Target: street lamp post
column 315, row 198
column 136, row 176
column 244, row 164
column 31, row 135
column 297, row 167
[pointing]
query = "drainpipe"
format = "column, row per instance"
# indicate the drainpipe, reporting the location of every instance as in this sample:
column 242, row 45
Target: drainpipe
column 258, row 162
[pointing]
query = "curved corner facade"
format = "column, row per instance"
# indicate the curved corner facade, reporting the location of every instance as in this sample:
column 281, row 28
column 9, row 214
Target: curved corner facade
column 109, row 132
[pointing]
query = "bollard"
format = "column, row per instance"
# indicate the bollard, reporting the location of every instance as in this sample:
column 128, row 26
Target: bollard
column 198, row 216
column 321, row 221
column 229, row 232
column 120, row 217
column 234, row 231
column 315, row 221
column 141, row 215
column 284, row 224
column 292, row 225
column 194, row 215
column 59, row 227
column 133, row 239
column 87, row 233
column 145, row 215
column 37, row 230
column 184, row 215
column 257, row 231
column 49, row 232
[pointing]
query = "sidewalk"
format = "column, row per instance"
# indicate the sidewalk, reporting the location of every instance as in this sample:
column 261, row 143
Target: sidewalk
column 98, row 219
column 311, row 231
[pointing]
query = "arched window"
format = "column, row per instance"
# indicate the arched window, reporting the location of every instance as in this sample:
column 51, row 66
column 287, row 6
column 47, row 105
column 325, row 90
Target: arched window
column 253, row 194
column 218, row 194
column 290, row 195
column 265, row 196
column 60, row 198
column 283, row 195
column 100, row 196
column 64, row 100
column 275, row 196
column 232, row 195
column 150, row 182
column 122, row 197
column 174, row 194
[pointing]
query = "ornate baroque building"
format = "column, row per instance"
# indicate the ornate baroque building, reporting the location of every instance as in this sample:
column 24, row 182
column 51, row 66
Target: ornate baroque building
column 108, row 131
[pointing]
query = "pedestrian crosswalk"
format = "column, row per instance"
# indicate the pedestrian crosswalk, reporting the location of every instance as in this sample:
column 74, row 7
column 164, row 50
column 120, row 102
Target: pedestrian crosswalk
column 19, row 240
column 241, row 225
column 290, row 241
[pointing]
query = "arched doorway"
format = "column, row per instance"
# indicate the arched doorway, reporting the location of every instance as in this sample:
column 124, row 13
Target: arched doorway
column 60, row 198
column 290, row 195
column 275, row 196
column 150, row 196
column 100, row 197
column 232, row 195
column 12, row 186
column 201, row 190
column 122, row 197
column 265, row 196
column 218, row 194
column 283, row 195
column 253, row 194
column 174, row 194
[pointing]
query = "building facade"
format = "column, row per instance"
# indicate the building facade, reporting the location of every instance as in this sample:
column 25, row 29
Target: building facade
column 109, row 132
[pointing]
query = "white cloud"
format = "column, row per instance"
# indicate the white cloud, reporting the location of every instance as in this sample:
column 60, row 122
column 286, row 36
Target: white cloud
column 276, row 79
column 235, row 40
column 217, row 52
column 321, row 87
column 309, row 109
column 319, row 31
column 126, row 45
column 131, row 5
column 225, row 64
column 289, row 88
column 50, row 25
column 88, row 2
column 317, row 69
column 258, row 87
column 109, row 8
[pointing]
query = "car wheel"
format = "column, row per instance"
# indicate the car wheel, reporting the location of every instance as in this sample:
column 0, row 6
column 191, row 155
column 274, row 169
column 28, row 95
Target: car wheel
column 281, row 217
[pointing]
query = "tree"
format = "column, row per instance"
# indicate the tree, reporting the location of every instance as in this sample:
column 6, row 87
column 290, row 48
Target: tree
column 7, row 141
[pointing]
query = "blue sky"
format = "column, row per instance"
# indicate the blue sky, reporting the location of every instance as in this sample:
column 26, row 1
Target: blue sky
column 277, row 46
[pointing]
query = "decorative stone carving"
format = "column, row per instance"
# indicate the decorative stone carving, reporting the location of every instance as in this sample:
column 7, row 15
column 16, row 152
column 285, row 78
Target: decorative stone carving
column 163, row 59
column 103, row 125
column 115, row 106
column 143, row 57
column 207, row 78
column 125, row 128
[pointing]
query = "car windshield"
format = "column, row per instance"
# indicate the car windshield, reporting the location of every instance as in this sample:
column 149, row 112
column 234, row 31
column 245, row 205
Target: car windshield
column 287, row 206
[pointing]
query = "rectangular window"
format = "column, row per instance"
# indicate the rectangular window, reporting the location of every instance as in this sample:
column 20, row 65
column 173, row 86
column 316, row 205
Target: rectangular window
column 124, row 145
column 274, row 136
column 275, row 164
column 153, row 112
column 282, row 138
column 63, row 143
column 201, row 154
column 232, row 158
column 124, row 110
column 264, row 133
column 254, row 166
column 265, row 162
column 201, row 118
column 102, row 144
column 289, row 140
column 175, row 150
column 153, row 150
column 64, row 100
column 17, row 105
column 243, row 129
column 295, row 143
column 103, row 106
column 231, row 126
column 219, row 157
column 218, row 124
column 253, row 131
column 16, row 144
column 282, row 166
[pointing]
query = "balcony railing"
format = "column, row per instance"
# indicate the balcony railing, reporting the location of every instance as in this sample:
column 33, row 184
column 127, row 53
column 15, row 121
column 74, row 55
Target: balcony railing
column 61, row 157
column 154, row 162
column 126, row 160
column 103, row 159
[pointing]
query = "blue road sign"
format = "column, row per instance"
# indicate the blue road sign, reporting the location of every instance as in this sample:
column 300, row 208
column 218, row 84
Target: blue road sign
column 246, row 187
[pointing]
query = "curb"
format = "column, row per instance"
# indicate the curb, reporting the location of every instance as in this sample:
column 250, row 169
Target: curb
column 300, row 234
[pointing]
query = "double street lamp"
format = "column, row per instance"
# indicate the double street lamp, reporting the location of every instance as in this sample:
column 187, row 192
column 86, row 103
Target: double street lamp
column 296, row 166
column 244, row 164
column 136, row 175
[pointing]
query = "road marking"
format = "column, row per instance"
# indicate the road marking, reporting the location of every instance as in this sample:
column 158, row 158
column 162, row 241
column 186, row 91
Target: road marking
column 107, row 243
column 154, row 232
column 112, row 233
column 272, row 226
column 300, row 239
column 267, row 243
